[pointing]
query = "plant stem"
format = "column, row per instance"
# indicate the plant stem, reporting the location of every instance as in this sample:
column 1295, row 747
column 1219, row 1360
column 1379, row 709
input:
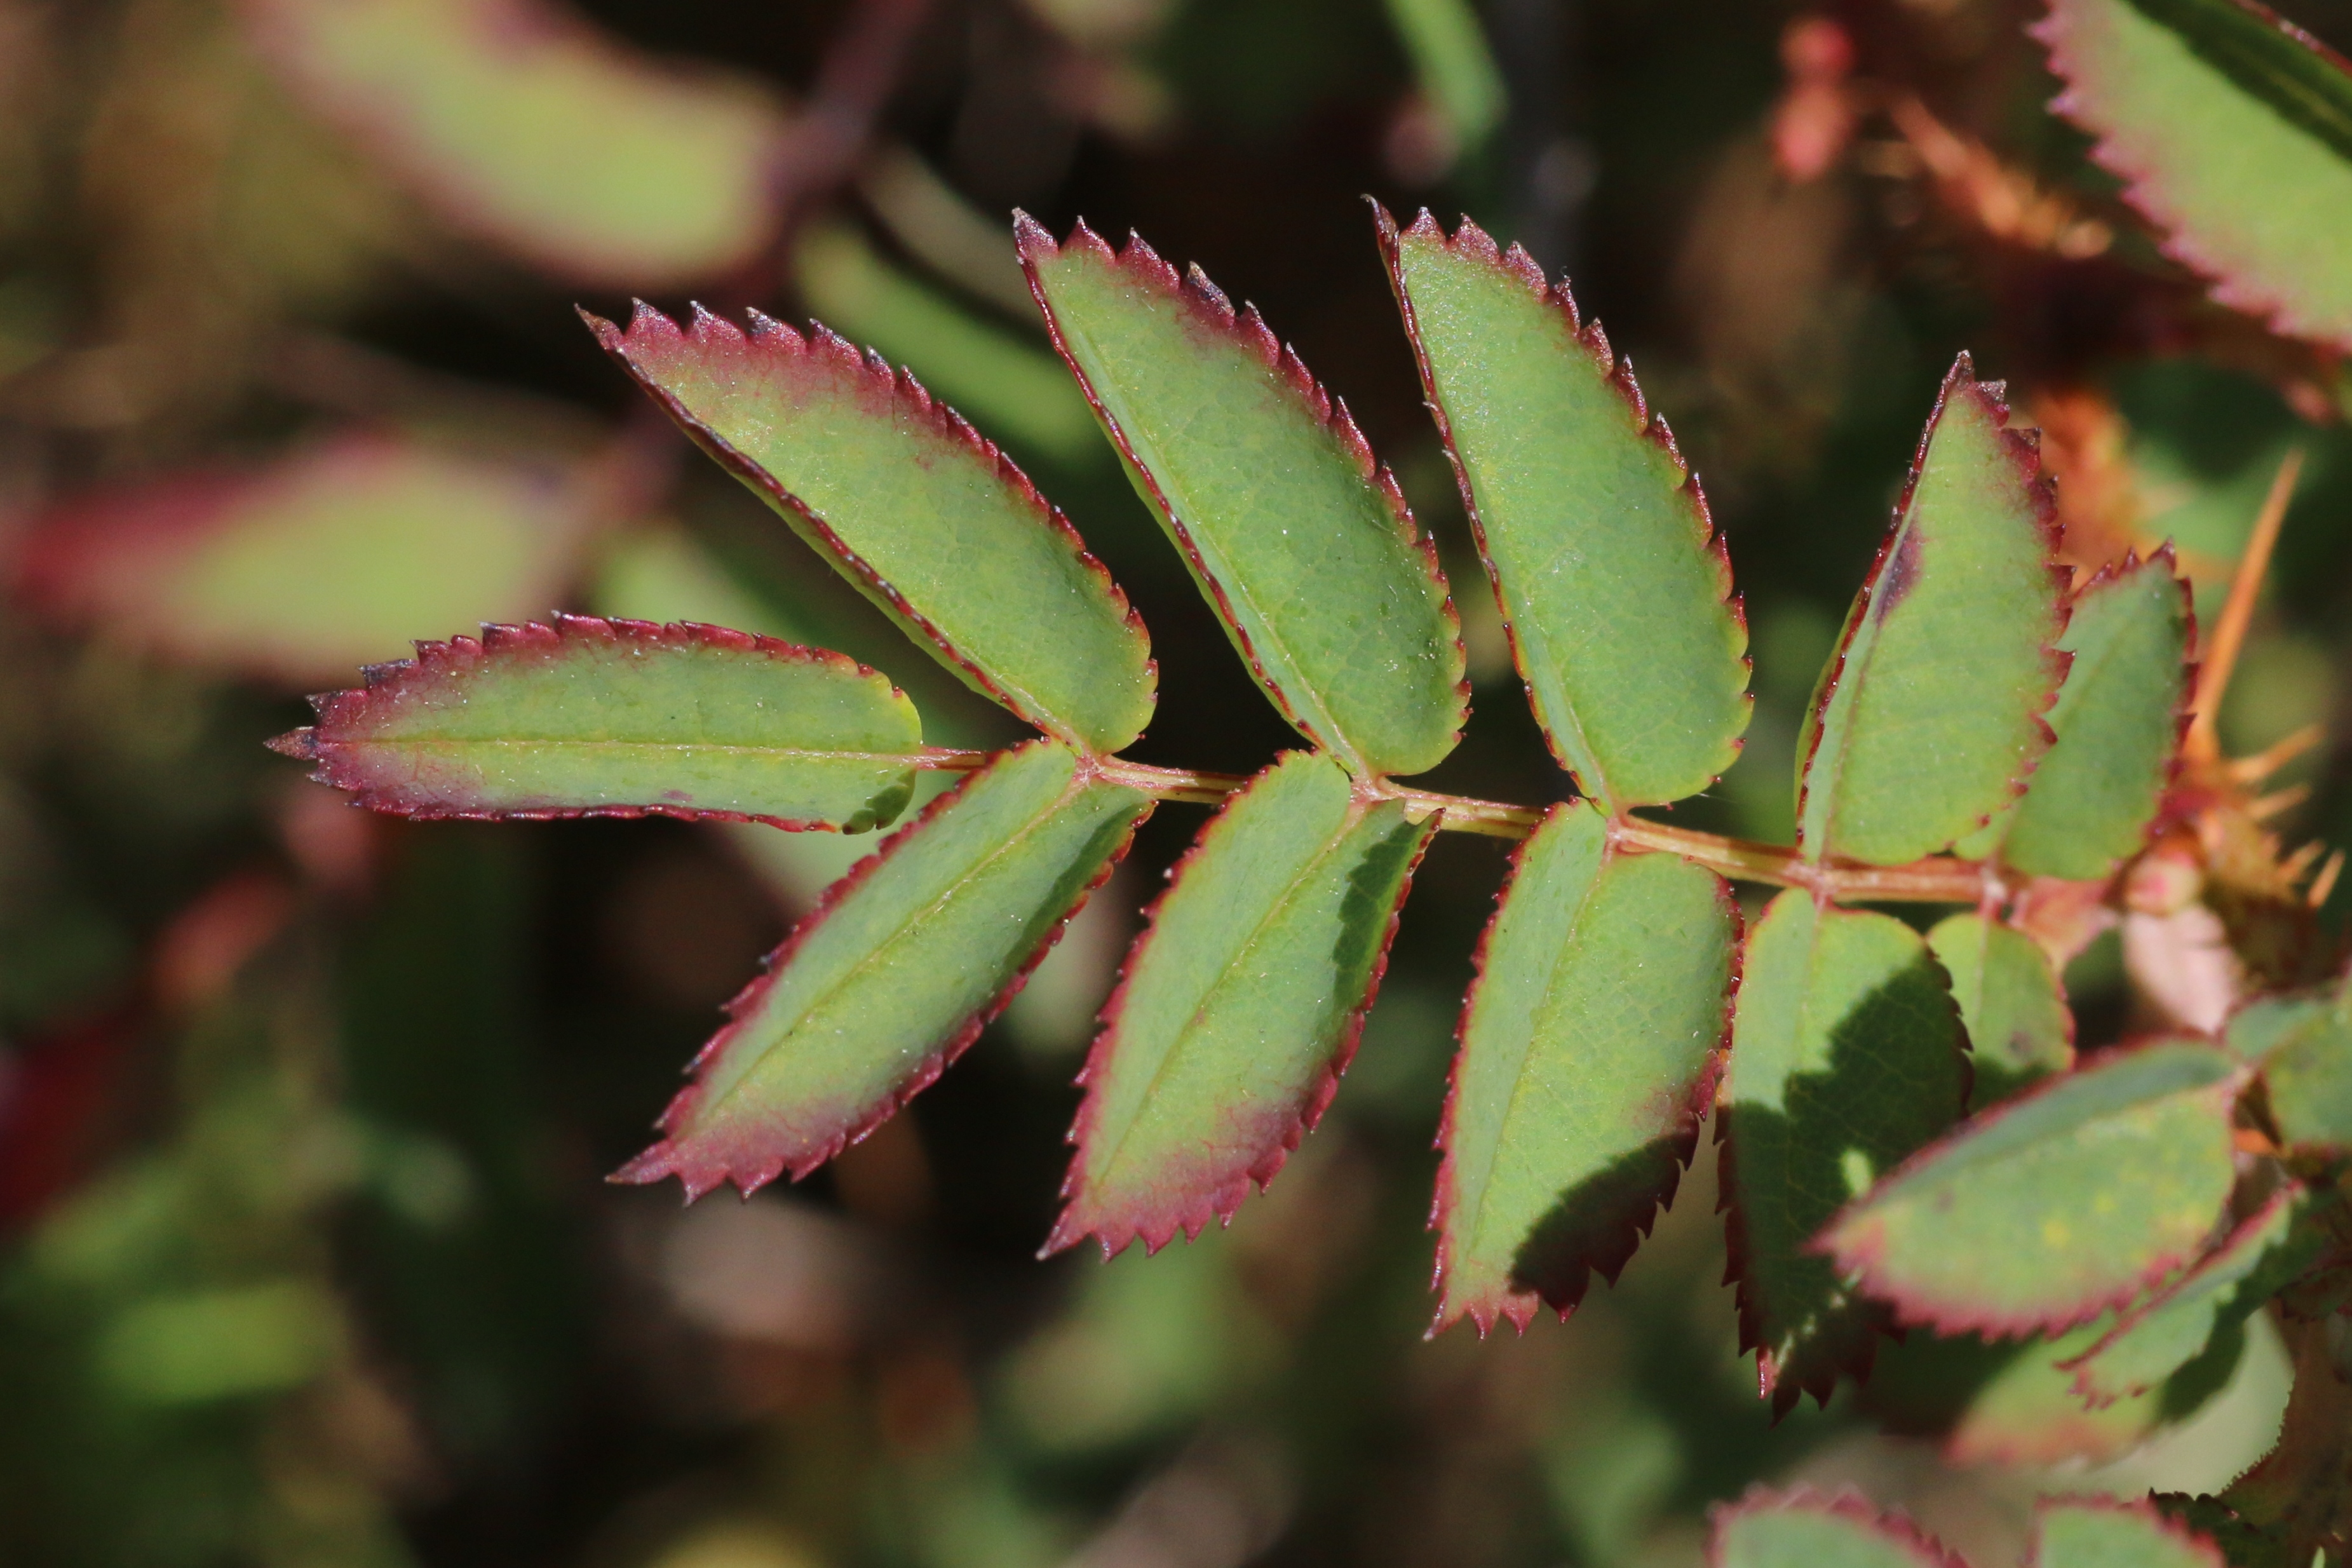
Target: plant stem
column 1939, row 880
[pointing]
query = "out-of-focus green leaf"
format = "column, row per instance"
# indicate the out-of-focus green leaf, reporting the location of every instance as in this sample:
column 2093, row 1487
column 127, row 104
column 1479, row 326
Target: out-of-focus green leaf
column 2117, row 722
column 590, row 718
column 1456, row 72
column 1017, row 390
column 2019, row 1024
column 1240, row 1006
column 877, row 991
column 333, row 557
column 2304, row 1046
column 1806, row 1530
column 2046, row 1212
column 516, row 121
column 2232, row 131
column 2160, row 1336
column 2106, row 1532
column 1300, row 541
column 1847, row 1056
column 928, row 520
column 659, row 572
column 1610, row 574
column 1929, row 716
column 1589, row 1054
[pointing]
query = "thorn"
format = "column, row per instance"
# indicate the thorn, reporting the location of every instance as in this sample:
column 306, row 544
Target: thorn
column 2324, row 883
column 2204, row 741
column 2283, row 800
column 2271, row 758
column 2292, row 868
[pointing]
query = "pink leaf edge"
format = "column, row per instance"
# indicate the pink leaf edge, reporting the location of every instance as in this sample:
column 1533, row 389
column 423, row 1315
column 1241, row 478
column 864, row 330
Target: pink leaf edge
column 1207, row 305
column 1518, row 1308
column 772, row 345
column 1188, row 1202
column 2156, row 1519
column 2144, row 185
column 702, row 1165
column 2023, row 448
column 1468, row 239
column 1863, row 1261
column 2087, row 1388
column 344, row 716
column 1897, row 1528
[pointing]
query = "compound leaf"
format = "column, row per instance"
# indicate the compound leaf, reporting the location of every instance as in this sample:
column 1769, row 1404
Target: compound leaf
column 2232, row 131
column 1611, row 579
column 2055, row 1208
column 1846, row 1056
column 1805, row 1529
column 516, row 121
column 895, row 972
column 2017, row 1023
column 593, row 718
column 1590, row 1050
column 331, row 557
column 2158, row 1337
column 1929, row 716
column 931, row 523
column 2118, row 720
column 1240, row 1006
column 2107, row 1532
column 2304, row 1048
column 1300, row 541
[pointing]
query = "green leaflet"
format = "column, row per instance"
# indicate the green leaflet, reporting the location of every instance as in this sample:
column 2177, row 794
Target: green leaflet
column 1929, row 714
column 2159, row 1336
column 1302, row 544
column 1589, row 1052
column 2118, row 722
column 2017, row 1023
column 2012, row 1402
column 2304, row 1048
column 1805, row 1529
column 2103, row 1532
column 1240, row 1006
column 2053, row 1208
column 893, row 975
column 1610, row 574
column 1846, row 1057
column 332, row 555
column 928, row 520
column 510, row 119
column 2232, row 131
column 590, row 718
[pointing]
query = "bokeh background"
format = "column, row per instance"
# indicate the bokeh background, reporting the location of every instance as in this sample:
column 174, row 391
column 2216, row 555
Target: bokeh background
column 306, row 1256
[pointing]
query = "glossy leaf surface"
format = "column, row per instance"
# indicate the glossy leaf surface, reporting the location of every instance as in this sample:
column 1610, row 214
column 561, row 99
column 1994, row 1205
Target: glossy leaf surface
column 2232, row 131
column 1610, row 577
column 931, row 523
column 1240, row 1006
column 2117, row 722
column 1805, row 1529
column 2102, row 1532
column 592, row 718
column 1301, row 543
column 513, row 119
column 1846, row 1056
column 1590, row 1051
column 2159, row 1336
column 2019, row 1025
column 332, row 557
column 2050, row 1209
column 1946, row 653
column 2304, row 1046
column 892, row 976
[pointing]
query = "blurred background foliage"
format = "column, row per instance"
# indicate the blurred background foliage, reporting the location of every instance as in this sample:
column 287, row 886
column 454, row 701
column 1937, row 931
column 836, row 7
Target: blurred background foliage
column 305, row 1256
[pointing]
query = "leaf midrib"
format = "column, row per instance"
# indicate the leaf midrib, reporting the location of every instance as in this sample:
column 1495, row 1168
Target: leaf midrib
column 514, row 743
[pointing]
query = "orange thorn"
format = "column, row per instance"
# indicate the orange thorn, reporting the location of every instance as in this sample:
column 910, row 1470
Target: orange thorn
column 2271, row 758
column 2204, row 741
column 2324, row 883
column 2272, row 805
column 2292, row 868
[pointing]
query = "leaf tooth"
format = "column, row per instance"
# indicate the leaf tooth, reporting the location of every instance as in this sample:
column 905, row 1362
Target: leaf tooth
column 1472, row 241
column 1529, row 270
column 1621, row 378
column 1197, row 284
column 1423, row 225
